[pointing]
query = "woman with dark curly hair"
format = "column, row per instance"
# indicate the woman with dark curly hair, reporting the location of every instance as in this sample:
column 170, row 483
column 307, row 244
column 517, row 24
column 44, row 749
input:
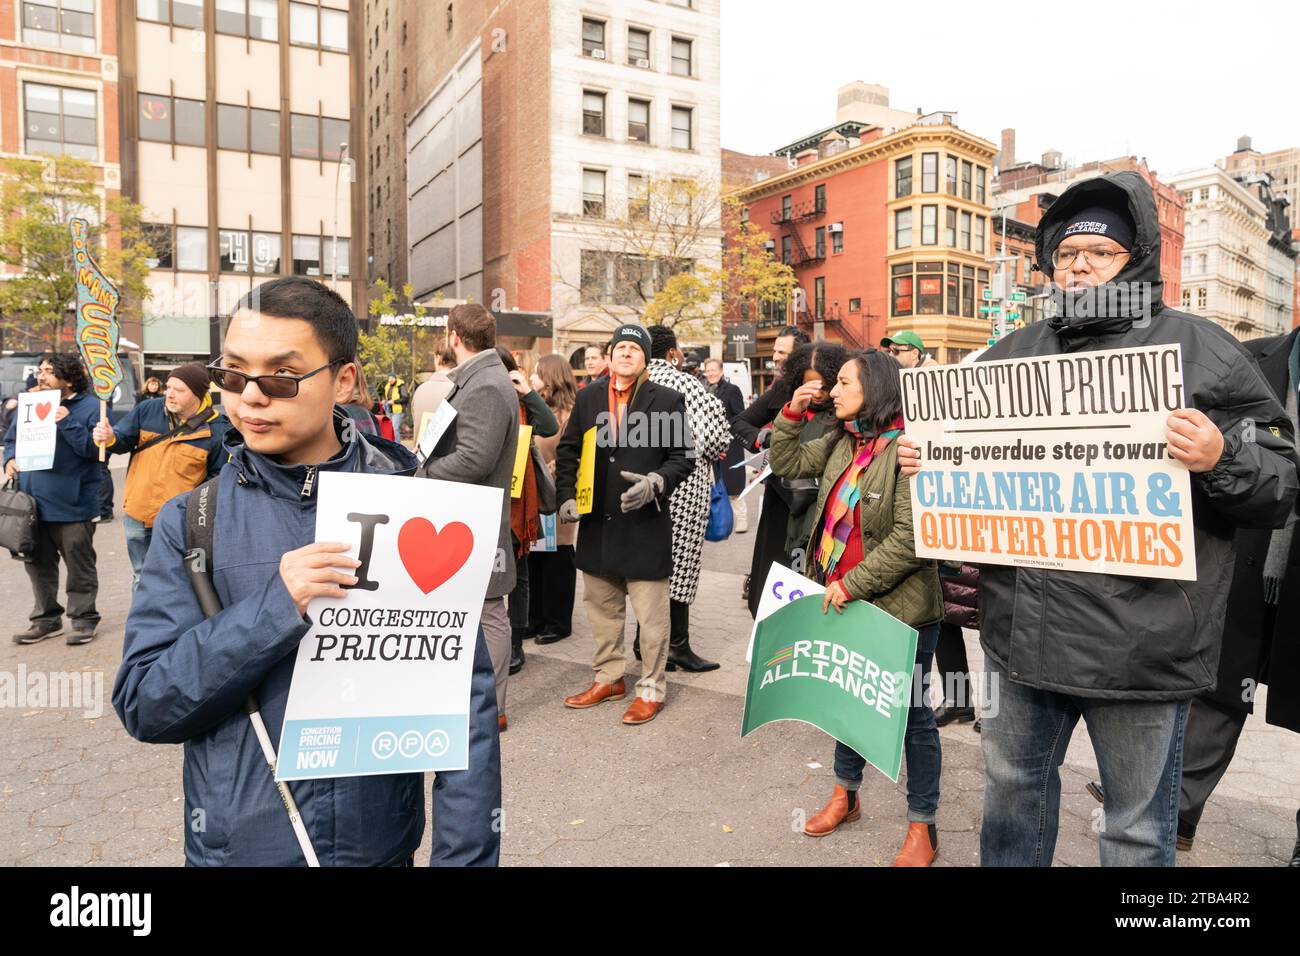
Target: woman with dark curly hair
column 67, row 502
column 812, row 362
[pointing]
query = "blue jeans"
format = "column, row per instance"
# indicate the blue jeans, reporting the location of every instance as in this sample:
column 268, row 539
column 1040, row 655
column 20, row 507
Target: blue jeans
column 397, row 425
column 1139, row 748
column 920, row 744
column 467, row 819
column 137, row 546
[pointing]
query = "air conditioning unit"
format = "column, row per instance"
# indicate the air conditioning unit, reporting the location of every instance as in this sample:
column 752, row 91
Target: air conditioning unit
column 836, row 227
column 644, row 64
column 597, row 54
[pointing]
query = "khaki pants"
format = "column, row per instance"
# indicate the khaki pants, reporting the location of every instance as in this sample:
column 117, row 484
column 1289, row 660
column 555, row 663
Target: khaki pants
column 606, row 600
column 496, row 634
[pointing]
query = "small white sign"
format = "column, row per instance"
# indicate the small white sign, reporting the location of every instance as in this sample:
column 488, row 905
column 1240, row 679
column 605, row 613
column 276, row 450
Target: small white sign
column 381, row 683
column 36, row 433
column 781, row 587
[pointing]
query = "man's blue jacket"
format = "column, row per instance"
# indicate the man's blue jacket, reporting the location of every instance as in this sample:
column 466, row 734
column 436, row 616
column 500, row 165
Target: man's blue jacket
column 184, row 679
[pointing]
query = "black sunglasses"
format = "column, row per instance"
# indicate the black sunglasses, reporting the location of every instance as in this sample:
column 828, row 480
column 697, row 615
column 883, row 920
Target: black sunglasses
column 272, row 386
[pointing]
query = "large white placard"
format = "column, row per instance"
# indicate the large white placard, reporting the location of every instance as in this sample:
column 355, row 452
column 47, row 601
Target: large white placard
column 381, row 683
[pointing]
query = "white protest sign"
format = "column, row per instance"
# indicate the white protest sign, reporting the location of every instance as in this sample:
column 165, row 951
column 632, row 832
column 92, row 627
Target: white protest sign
column 432, row 426
column 382, row 678
column 1057, row 462
column 36, row 433
column 781, row 587
column 758, row 480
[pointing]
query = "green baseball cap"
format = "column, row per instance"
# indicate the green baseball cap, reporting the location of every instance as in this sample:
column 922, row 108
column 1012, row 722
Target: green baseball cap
column 906, row 337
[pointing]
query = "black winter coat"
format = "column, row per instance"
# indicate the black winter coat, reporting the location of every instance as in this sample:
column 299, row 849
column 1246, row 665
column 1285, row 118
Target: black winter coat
column 1107, row 636
column 636, row 545
column 1261, row 643
column 734, row 403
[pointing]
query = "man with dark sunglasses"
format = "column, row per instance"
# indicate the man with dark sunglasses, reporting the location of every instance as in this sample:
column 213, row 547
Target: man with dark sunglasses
column 287, row 361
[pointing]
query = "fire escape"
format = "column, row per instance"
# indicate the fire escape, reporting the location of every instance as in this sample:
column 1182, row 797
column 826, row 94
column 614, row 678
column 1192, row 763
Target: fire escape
column 801, row 257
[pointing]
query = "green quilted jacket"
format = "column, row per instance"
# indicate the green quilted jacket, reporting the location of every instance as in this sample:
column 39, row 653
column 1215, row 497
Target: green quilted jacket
column 890, row 574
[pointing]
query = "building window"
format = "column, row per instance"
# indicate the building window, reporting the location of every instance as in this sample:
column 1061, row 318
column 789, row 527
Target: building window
column 951, row 174
column 258, row 19
column 264, row 131
column 902, row 228
column 981, row 175
column 1187, row 298
column 61, row 120
column 681, row 57
column 638, row 47
column 965, row 230
column 855, row 305
column 819, row 242
column 787, row 208
column 638, row 203
column 929, row 225
column 681, row 127
column 163, row 119
column 319, row 137
column 965, row 179
column 1205, row 194
column 233, row 250
column 266, row 253
column 1201, row 299
column 819, row 198
column 159, row 237
column 903, row 176
column 929, row 291
column 593, row 113
column 950, row 228
column 837, row 242
column 819, row 298
column 785, row 249
column 191, row 249
column 593, row 193
column 181, row 13
column 968, row 292
column 953, row 299
column 593, row 38
column 638, row 120
column 232, row 127
column 901, row 290
column 306, row 256
column 979, row 234
column 929, row 172
column 69, row 24
column 310, row 25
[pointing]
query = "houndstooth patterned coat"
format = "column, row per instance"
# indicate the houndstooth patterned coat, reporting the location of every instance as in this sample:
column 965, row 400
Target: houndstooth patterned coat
column 689, row 505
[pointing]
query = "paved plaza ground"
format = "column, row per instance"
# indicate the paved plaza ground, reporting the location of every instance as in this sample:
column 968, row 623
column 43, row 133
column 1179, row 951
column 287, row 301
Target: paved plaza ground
column 579, row 787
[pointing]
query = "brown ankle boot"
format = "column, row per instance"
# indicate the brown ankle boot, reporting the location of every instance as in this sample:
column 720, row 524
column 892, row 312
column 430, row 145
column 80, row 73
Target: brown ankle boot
column 836, row 811
column 920, row 846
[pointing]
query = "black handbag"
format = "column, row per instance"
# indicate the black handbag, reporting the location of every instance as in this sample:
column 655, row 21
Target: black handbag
column 546, row 504
column 18, row 521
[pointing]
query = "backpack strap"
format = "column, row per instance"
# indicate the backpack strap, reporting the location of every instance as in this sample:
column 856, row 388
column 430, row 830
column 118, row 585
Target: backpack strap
column 200, row 524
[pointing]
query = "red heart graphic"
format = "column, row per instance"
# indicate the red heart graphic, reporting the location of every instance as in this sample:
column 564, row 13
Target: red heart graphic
column 42, row 410
column 433, row 557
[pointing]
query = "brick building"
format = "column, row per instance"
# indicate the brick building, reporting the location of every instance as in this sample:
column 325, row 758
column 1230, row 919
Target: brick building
column 59, row 88
column 885, row 232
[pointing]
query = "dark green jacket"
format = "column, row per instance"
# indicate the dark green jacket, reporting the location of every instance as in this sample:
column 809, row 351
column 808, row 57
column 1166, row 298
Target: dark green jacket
column 890, row 575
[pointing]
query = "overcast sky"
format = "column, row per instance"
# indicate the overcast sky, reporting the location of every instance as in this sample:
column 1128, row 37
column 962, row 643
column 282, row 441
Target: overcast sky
column 1174, row 82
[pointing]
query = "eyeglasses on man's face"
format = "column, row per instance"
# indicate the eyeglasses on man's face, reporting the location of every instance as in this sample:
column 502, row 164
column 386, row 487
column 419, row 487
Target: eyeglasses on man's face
column 272, row 386
column 1097, row 257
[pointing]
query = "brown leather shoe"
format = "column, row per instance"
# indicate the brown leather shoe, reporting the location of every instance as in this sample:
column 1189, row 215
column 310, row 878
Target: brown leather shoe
column 920, row 846
column 501, row 722
column 836, row 811
column 642, row 711
column 595, row 694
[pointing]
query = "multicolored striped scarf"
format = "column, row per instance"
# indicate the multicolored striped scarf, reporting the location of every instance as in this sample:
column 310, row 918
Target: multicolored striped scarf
column 838, row 523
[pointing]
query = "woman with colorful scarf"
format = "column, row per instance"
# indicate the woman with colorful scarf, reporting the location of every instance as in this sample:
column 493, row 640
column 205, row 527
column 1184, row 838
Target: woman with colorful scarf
column 862, row 548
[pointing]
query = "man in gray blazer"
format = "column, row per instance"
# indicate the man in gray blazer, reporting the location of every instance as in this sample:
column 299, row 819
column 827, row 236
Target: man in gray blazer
column 478, row 448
